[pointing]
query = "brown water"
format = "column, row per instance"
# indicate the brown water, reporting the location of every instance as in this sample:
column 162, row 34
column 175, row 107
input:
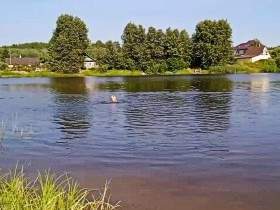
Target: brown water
column 202, row 142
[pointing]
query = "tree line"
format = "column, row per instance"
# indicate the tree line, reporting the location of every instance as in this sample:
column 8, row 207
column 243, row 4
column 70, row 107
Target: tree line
column 156, row 51
column 151, row 49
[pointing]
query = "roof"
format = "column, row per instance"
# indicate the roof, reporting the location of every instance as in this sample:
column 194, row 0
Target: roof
column 88, row 58
column 251, row 49
column 23, row 61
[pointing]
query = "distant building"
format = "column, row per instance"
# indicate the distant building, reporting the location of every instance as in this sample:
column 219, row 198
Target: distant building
column 26, row 61
column 251, row 51
column 89, row 62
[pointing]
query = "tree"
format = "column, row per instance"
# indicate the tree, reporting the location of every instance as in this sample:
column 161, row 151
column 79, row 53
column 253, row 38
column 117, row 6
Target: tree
column 177, row 49
column 108, row 55
column 114, row 58
column 4, row 53
column 134, row 49
column 3, row 66
column 155, row 44
column 275, row 54
column 212, row 44
column 185, row 47
column 68, row 44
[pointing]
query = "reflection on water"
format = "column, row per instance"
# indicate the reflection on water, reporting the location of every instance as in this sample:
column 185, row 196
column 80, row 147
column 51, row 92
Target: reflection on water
column 212, row 84
column 71, row 112
column 191, row 122
column 216, row 130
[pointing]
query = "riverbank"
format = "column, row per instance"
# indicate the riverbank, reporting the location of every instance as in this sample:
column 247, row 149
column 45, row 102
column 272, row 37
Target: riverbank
column 84, row 73
column 268, row 66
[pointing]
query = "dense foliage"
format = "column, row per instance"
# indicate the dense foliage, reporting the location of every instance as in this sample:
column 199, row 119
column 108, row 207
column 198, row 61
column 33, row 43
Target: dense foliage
column 268, row 66
column 33, row 49
column 152, row 51
column 68, row 44
column 31, row 45
column 108, row 55
column 156, row 51
column 3, row 66
column 275, row 54
column 212, row 44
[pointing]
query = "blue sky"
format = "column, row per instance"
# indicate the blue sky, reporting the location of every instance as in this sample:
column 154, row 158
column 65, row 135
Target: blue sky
column 34, row 20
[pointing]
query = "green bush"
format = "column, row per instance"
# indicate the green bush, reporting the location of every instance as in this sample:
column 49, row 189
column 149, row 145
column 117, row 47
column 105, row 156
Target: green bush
column 175, row 64
column 157, row 67
column 269, row 66
column 3, row 66
column 24, row 68
column 277, row 61
column 231, row 69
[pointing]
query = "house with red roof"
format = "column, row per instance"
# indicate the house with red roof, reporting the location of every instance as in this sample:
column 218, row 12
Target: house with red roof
column 251, row 51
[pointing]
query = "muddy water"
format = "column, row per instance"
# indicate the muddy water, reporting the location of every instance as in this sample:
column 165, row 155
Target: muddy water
column 203, row 142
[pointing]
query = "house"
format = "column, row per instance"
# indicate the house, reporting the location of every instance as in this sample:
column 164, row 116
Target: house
column 89, row 62
column 251, row 51
column 26, row 61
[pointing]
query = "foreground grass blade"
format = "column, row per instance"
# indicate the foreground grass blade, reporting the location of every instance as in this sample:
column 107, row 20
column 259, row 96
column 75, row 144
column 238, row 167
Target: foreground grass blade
column 49, row 192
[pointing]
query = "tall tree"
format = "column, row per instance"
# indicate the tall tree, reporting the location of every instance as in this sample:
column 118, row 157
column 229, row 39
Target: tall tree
column 134, row 46
column 114, row 55
column 212, row 44
column 185, row 47
column 4, row 53
column 177, row 49
column 275, row 54
column 68, row 44
column 155, row 43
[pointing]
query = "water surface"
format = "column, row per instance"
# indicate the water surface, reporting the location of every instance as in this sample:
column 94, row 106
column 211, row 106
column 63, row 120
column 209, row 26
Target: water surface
column 178, row 142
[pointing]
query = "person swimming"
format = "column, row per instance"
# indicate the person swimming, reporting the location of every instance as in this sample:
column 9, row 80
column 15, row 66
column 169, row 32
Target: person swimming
column 114, row 99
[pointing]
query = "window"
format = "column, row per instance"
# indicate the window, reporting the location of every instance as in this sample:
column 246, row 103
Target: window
column 241, row 52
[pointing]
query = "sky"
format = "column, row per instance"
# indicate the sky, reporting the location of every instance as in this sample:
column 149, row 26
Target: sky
column 34, row 20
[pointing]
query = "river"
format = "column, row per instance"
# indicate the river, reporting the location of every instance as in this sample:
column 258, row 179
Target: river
column 173, row 142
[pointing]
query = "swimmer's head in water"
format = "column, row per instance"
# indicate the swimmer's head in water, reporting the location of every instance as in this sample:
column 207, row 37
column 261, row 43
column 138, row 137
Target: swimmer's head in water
column 114, row 99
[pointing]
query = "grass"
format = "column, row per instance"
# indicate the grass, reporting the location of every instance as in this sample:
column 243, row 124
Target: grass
column 49, row 192
column 46, row 73
column 247, row 67
column 239, row 67
column 111, row 73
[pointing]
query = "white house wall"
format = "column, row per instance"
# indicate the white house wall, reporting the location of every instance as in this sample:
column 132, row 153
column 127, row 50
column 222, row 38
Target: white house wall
column 264, row 56
column 260, row 57
column 90, row 65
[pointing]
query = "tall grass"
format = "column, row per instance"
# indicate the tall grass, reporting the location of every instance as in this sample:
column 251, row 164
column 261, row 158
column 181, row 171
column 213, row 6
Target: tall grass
column 268, row 66
column 49, row 192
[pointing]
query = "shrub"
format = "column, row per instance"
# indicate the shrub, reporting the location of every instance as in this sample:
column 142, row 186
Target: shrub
column 3, row 66
column 277, row 61
column 269, row 66
column 175, row 64
column 157, row 67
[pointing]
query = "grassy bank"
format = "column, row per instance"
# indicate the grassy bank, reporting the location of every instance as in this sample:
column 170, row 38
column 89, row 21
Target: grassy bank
column 268, row 66
column 46, row 73
column 49, row 192
column 96, row 73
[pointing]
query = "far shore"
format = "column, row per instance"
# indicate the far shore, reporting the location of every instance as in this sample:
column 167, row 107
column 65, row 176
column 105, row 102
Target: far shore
column 96, row 73
column 113, row 73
